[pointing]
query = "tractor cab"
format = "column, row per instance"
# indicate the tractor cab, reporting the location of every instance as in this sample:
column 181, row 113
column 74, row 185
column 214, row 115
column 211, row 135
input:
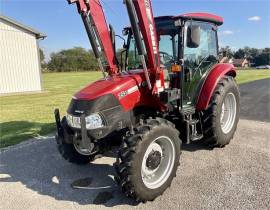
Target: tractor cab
column 188, row 49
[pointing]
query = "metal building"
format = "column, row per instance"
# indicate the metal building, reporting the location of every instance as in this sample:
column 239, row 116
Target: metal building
column 20, row 69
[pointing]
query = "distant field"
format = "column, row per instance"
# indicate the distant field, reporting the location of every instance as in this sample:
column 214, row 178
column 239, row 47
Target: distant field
column 31, row 115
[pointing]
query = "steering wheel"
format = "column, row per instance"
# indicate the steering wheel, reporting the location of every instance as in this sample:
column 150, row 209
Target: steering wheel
column 165, row 58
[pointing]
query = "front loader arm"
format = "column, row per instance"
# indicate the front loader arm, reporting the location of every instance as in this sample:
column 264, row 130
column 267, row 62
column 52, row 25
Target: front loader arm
column 144, row 31
column 148, row 30
column 98, row 33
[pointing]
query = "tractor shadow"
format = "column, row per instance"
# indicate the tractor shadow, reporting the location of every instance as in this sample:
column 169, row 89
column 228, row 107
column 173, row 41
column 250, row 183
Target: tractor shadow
column 196, row 145
column 39, row 167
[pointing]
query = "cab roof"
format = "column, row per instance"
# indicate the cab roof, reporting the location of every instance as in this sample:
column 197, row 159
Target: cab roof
column 200, row 16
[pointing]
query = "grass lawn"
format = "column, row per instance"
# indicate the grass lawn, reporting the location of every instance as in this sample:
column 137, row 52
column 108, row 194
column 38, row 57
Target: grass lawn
column 31, row 115
column 244, row 76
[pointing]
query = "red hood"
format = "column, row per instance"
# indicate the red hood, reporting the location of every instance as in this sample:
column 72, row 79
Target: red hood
column 112, row 85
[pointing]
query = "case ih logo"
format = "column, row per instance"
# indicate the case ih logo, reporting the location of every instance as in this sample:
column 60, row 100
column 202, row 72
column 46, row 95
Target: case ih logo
column 151, row 26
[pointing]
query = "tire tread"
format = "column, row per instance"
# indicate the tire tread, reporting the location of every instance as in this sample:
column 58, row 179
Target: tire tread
column 128, row 148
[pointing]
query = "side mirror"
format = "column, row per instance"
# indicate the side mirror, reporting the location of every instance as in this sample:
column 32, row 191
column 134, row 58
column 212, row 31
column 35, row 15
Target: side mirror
column 125, row 32
column 193, row 36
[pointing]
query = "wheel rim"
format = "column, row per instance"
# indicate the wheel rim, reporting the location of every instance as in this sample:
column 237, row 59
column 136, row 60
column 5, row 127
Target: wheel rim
column 158, row 162
column 228, row 113
column 79, row 147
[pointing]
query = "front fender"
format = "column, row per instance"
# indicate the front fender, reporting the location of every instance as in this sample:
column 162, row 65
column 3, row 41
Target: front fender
column 219, row 71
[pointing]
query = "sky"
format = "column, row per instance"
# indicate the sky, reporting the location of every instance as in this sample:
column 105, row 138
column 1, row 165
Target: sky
column 247, row 22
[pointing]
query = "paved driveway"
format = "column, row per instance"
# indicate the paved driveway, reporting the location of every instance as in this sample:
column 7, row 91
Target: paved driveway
column 255, row 100
column 34, row 176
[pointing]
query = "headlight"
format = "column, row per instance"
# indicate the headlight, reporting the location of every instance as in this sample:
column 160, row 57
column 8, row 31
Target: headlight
column 93, row 121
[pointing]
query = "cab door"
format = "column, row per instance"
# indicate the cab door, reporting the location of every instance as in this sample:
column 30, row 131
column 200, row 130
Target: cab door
column 198, row 58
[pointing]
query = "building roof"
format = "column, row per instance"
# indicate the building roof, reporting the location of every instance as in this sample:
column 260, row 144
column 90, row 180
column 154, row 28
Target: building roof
column 38, row 34
column 239, row 61
column 224, row 60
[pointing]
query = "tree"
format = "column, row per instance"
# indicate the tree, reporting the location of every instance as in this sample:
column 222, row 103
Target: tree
column 266, row 50
column 239, row 54
column 42, row 60
column 250, row 53
column 75, row 59
column 41, row 55
column 226, row 51
column 253, row 53
column 263, row 58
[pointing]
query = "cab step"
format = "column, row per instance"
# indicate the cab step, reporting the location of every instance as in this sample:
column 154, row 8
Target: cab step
column 193, row 128
column 188, row 111
column 196, row 137
column 193, row 121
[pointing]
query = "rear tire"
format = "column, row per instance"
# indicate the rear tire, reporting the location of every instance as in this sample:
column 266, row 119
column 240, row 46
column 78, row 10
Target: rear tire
column 225, row 101
column 148, row 160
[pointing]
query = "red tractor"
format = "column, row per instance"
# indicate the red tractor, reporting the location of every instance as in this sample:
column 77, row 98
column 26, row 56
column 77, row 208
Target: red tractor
column 168, row 88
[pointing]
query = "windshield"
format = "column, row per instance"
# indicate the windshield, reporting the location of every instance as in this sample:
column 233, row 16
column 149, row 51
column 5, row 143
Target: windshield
column 168, row 49
column 133, row 60
column 168, row 36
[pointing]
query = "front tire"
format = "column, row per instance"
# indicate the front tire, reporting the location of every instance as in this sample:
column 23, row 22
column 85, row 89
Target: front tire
column 148, row 160
column 68, row 150
column 221, row 117
column 70, row 154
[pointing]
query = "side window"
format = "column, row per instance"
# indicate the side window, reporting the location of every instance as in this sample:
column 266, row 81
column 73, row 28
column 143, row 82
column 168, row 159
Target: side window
column 197, row 60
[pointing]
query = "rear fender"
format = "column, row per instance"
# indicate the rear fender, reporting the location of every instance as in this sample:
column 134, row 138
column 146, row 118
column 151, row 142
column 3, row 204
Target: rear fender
column 219, row 71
